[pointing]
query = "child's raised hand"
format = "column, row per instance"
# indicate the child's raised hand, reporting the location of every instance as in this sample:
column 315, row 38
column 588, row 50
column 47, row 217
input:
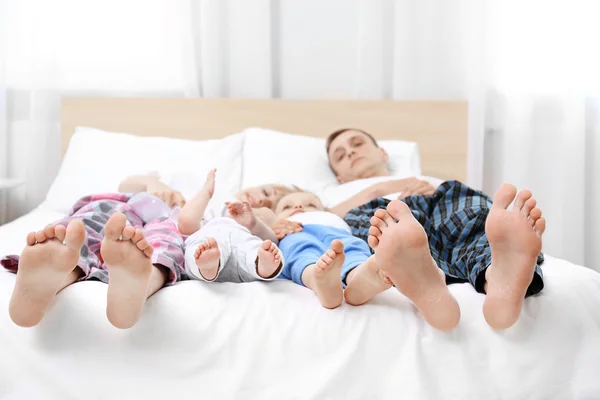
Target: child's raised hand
column 209, row 185
column 242, row 213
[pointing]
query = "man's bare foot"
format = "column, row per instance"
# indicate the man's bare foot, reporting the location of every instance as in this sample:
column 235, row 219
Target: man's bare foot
column 50, row 255
column 402, row 252
column 126, row 254
column 515, row 238
column 324, row 276
column 268, row 260
column 207, row 257
column 364, row 282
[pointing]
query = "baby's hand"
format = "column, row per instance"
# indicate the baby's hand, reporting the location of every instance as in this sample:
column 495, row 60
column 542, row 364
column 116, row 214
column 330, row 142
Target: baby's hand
column 284, row 227
column 242, row 213
column 209, row 185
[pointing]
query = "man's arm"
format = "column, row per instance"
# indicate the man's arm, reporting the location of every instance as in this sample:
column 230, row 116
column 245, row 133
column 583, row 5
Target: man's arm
column 406, row 186
column 191, row 215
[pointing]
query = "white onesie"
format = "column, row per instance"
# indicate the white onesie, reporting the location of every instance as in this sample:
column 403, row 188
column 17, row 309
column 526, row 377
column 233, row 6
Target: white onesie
column 239, row 249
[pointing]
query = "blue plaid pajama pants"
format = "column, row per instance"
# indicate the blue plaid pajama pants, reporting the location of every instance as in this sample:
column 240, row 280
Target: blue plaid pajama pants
column 454, row 220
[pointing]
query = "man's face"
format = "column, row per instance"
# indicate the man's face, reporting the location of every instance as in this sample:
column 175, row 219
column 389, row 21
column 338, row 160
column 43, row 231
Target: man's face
column 353, row 155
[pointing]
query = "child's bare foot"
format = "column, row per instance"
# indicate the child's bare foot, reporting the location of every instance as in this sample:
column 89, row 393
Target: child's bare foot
column 402, row 252
column 324, row 276
column 268, row 260
column 50, row 255
column 126, row 254
column 364, row 282
column 207, row 257
column 515, row 238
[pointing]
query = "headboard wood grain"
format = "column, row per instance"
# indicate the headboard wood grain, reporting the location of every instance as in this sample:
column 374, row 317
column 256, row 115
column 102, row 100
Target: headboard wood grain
column 439, row 127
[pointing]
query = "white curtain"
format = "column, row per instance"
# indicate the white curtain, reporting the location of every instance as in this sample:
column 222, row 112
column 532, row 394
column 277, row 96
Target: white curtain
column 528, row 68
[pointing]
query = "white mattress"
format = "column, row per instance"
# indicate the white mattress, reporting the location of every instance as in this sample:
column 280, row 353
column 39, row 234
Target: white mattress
column 274, row 341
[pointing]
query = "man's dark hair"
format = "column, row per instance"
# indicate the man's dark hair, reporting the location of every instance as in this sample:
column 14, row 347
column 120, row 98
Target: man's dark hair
column 337, row 133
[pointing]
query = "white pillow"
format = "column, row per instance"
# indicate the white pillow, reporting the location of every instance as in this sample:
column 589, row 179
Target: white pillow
column 97, row 161
column 276, row 157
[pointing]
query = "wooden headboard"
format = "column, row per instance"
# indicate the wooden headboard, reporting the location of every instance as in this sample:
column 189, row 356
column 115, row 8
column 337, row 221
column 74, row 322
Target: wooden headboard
column 439, row 127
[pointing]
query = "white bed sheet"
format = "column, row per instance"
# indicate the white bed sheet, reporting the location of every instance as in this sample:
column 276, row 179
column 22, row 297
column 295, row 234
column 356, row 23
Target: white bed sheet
column 274, row 341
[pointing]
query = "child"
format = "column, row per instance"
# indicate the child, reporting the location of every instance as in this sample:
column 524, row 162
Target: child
column 228, row 248
column 310, row 263
column 124, row 240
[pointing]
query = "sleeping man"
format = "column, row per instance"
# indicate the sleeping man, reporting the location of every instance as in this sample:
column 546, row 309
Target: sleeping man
column 461, row 231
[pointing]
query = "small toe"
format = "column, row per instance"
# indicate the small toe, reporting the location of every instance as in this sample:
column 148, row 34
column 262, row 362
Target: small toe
column 522, row 197
column 137, row 236
column 535, row 214
column 31, row 238
column 128, row 233
column 375, row 231
column 528, row 206
column 61, row 232
column 40, row 236
column 49, row 231
column 373, row 241
column 142, row 244
column 540, row 226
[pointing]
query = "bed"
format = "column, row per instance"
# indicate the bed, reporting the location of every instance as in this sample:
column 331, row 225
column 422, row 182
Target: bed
column 273, row 340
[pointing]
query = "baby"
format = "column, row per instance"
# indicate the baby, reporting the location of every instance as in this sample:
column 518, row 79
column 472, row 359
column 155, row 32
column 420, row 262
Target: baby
column 229, row 248
column 324, row 269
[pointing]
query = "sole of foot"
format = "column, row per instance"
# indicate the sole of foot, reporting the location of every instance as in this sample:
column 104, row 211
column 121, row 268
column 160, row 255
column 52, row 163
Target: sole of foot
column 515, row 238
column 51, row 254
column 402, row 252
column 127, row 255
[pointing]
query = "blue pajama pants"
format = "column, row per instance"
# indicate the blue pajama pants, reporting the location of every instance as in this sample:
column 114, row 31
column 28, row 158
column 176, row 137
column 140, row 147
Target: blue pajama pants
column 454, row 220
column 305, row 248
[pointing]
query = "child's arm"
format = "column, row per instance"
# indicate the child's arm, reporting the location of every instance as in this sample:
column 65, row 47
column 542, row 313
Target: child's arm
column 138, row 183
column 244, row 215
column 152, row 185
column 193, row 212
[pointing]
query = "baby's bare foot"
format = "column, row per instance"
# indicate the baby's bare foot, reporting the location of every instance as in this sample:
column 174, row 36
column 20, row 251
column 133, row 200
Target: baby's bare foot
column 43, row 267
column 515, row 238
column 207, row 257
column 402, row 252
column 127, row 255
column 364, row 282
column 268, row 261
column 327, row 284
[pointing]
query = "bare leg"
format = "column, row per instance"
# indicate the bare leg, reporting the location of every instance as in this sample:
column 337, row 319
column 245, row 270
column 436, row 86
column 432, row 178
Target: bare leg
column 46, row 266
column 127, row 254
column 324, row 276
column 268, row 260
column 158, row 278
column 515, row 238
column 365, row 282
column 402, row 252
